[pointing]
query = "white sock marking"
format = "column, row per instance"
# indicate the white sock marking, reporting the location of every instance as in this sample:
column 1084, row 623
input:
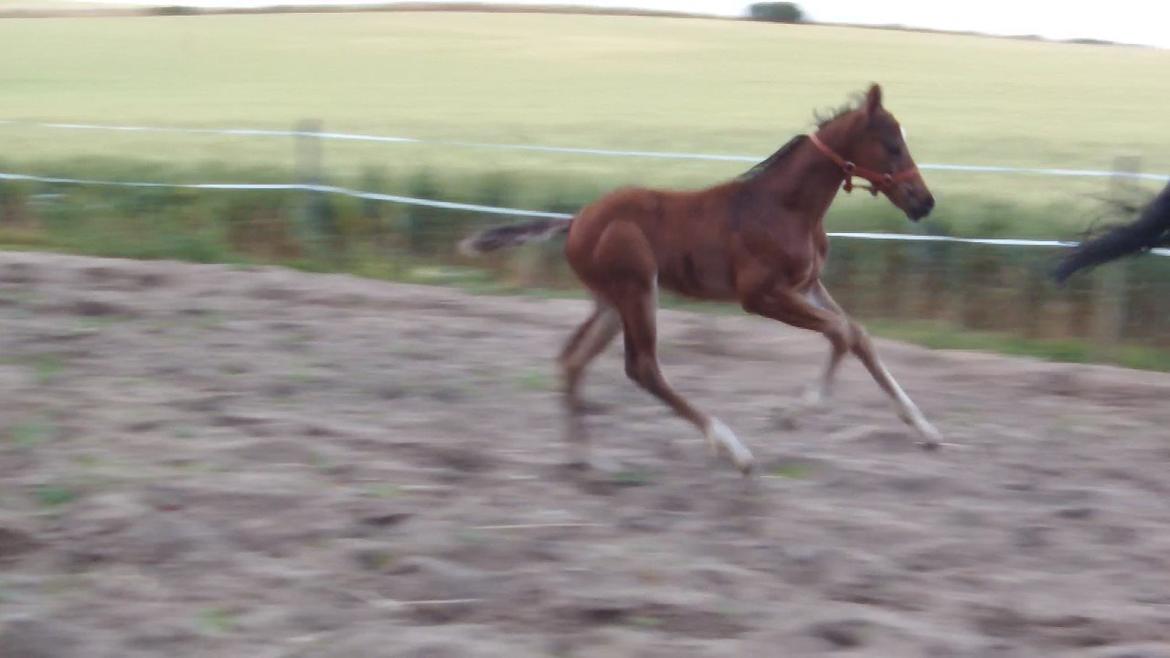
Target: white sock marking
column 719, row 434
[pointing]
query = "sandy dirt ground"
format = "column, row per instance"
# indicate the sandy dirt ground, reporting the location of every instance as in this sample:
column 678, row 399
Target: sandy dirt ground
column 217, row 461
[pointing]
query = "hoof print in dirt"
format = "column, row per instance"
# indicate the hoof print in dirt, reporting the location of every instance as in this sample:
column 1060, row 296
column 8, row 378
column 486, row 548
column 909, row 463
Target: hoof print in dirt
column 842, row 633
column 1076, row 513
column 605, row 479
column 204, row 404
column 375, row 556
column 574, row 467
column 370, row 521
column 18, row 273
column 161, row 538
column 1052, row 628
column 96, row 308
column 437, row 590
column 457, row 462
column 15, row 542
column 644, row 522
column 885, row 589
column 808, row 565
column 385, row 519
column 785, row 419
column 595, row 408
column 685, row 620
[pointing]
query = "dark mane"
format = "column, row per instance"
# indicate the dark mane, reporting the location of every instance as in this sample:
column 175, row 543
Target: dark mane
column 821, row 117
column 779, row 155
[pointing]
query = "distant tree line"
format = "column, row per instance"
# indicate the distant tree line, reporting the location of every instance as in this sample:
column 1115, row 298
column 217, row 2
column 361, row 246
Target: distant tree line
column 776, row 12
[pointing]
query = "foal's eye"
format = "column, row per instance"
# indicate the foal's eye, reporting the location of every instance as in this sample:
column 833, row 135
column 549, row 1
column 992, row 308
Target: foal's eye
column 894, row 149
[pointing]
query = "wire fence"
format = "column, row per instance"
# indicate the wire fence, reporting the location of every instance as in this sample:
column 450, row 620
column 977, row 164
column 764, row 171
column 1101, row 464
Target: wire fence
column 498, row 210
column 568, row 150
column 997, row 284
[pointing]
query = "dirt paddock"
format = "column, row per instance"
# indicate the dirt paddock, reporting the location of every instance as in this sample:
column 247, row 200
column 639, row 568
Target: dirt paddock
column 216, row 461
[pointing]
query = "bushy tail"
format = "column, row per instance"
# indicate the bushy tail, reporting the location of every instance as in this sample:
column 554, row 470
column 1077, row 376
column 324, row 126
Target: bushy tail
column 1149, row 230
column 511, row 235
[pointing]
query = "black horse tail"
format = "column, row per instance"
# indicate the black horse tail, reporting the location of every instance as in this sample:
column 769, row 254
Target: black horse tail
column 512, row 235
column 1151, row 229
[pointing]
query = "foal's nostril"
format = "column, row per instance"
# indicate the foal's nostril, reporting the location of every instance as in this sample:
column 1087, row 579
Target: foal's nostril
column 928, row 203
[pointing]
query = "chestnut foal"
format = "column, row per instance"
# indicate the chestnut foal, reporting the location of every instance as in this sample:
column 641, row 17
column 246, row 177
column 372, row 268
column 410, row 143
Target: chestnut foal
column 758, row 239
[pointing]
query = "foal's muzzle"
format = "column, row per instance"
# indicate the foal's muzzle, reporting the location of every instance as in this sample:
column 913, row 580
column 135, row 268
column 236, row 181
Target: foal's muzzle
column 919, row 206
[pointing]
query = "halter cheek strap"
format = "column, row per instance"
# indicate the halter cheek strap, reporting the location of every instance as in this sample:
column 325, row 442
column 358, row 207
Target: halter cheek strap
column 878, row 182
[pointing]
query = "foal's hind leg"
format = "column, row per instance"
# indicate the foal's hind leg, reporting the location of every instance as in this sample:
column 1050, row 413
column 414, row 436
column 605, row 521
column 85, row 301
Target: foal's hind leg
column 637, row 306
column 589, row 340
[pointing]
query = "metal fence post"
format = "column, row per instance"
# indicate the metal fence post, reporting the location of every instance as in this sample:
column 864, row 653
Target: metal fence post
column 314, row 216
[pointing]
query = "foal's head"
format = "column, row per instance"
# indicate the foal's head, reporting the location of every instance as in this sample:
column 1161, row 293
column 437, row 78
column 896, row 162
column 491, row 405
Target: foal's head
column 873, row 140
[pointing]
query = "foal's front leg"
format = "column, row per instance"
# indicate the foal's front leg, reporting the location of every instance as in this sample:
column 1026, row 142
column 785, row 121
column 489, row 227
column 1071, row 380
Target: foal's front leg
column 819, row 391
column 790, row 307
column 864, row 350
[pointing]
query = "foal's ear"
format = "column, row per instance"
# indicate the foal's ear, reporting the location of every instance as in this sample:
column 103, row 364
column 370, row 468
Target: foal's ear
column 873, row 100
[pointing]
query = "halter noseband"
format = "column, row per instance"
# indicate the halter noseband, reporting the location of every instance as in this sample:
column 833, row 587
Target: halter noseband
column 878, row 182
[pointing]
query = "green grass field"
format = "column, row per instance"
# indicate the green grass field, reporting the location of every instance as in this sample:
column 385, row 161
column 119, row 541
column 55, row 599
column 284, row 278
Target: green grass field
column 594, row 81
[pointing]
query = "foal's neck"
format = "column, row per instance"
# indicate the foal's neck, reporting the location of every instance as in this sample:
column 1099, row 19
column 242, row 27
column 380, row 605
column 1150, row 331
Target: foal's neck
column 803, row 185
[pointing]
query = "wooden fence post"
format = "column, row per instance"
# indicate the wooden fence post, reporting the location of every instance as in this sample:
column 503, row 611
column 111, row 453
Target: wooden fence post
column 1109, row 306
column 1111, row 292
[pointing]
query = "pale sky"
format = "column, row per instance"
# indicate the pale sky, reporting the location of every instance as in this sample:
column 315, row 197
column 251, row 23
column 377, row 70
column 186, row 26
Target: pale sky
column 1130, row 21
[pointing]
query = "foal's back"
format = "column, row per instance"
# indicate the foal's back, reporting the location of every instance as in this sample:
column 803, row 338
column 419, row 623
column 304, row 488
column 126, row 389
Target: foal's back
column 680, row 239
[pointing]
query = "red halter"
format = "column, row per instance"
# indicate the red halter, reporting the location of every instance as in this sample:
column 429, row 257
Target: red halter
column 878, row 182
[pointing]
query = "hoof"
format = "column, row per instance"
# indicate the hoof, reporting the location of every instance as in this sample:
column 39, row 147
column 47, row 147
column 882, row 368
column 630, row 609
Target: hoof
column 931, row 439
column 720, row 437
